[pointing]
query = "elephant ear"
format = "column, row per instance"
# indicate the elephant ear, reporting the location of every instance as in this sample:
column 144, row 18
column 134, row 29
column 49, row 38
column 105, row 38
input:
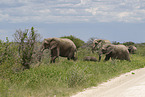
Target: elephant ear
column 100, row 40
column 53, row 43
column 100, row 43
column 45, row 41
column 97, row 42
column 109, row 50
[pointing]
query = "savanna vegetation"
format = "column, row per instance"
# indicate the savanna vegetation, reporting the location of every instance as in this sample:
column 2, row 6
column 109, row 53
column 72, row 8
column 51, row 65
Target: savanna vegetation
column 21, row 75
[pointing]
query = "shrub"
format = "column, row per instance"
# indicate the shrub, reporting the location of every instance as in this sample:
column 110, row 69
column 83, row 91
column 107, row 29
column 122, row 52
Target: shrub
column 26, row 42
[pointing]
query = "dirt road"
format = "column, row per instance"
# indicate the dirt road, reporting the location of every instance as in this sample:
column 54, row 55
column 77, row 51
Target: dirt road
column 131, row 84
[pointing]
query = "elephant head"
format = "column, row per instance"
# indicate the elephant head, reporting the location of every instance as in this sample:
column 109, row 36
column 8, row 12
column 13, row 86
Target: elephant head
column 97, row 46
column 98, row 43
column 48, row 44
column 132, row 49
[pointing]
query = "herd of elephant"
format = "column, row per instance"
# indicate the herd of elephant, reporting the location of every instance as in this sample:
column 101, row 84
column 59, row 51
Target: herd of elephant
column 66, row 48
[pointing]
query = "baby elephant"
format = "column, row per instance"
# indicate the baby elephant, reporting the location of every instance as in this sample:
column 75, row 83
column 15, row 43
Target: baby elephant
column 90, row 58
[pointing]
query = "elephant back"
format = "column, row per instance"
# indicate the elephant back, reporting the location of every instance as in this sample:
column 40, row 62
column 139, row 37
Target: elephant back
column 107, row 42
column 66, row 43
column 121, row 48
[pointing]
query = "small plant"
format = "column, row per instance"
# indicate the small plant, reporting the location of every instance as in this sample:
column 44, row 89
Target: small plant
column 132, row 73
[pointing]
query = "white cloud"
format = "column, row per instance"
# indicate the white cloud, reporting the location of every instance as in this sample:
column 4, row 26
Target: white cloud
column 73, row 10
column 2, row 31
column 92, row 10
column 124, row 14
column 67, row 11
column 3, row 17
column 43, row 12
column 84, row 2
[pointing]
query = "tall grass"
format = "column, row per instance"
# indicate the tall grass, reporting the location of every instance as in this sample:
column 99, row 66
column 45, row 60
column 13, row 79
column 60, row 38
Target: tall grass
column 64, row 77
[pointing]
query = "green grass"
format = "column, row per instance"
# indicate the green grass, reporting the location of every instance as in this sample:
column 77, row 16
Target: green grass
column 64, row 78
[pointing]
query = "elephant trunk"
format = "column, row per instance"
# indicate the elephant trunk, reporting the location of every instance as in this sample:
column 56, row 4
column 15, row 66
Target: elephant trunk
column 39, row 56
column 40, row 53
column 93, row 48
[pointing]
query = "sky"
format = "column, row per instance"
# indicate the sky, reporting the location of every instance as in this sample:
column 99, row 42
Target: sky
column 114, row 20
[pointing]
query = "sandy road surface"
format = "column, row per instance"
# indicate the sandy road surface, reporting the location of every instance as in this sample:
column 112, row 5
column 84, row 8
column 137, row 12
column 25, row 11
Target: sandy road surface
column 126, row 85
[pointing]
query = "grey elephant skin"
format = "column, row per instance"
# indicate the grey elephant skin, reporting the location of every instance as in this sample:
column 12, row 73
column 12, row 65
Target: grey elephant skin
column 90, row 58
column 59, row 47
column 116, row 52
column 132, row 49
column 98, row 44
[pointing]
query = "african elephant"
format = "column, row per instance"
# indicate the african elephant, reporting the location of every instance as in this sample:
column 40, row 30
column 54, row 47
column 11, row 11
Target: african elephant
column 90, row 58
column 59, row 47
column 115, row 52
column 98, row 44
column 132, row 49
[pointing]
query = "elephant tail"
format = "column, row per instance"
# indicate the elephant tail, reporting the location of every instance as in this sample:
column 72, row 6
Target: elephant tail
column 75, row 55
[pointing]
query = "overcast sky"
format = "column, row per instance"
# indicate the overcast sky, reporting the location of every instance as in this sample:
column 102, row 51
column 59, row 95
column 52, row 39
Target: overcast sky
column 115, row 20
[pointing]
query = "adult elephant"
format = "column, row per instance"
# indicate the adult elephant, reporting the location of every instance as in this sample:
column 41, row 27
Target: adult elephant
column 115, row 52
column 97, row 46
column 59, row 47
column 132, row 49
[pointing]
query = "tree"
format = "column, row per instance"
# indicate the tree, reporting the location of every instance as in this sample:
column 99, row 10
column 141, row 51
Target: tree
column 128, row 43
column 115, row 42
column 78, row 42
column 26, row 42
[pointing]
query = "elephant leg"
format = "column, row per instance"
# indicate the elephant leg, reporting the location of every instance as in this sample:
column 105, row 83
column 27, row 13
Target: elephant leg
column 100, row 55
column 107, row 57
column 53, row 59
column 54, row 54
column 72, row 56
column 128, row 58
column 69, row 58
